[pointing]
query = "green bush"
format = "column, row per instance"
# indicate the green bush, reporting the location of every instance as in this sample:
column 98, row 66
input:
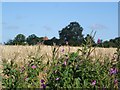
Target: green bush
column 79, row 71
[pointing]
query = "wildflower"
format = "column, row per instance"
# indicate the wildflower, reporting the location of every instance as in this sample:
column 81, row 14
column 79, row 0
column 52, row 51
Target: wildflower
column 93, row 82
column 65, row 63
column 43, row 85
column 22, row 69
column 113, row 71
column 98, row 41
column 57, row 79
column 33, row 66
column 28, row 64
column 115, row 81
column 63, row 50
column 42, row 81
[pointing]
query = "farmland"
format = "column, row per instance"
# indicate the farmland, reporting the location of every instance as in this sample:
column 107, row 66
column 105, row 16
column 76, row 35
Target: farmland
column 22, row 52
column 21, row 55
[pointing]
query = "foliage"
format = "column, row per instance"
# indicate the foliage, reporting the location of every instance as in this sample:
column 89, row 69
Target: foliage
column 19, row 39
column 118, row 58
column 25, row 76
column 51, row 41
column 112, row 42
column 9, row 42
column 32, row 39
column 80, row 71
column 72, row 33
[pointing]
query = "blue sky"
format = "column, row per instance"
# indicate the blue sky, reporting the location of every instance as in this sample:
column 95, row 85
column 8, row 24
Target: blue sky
column 46, row 19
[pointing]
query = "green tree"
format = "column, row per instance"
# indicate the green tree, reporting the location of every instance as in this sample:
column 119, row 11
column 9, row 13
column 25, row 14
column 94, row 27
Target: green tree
column 9, row 42
column 32, row 39
column 112, row 43
column 72, row 34
column 19, row 39
column 51, row 41
column 106, row 44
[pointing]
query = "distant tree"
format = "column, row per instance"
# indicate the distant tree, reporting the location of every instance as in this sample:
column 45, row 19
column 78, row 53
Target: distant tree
column 106, row 44
column 117, row 41
column 19, row 39
column 72, row 34
column 32, row 39
column 55, row 40
column 9, row 42
column 51, row 41
column 112, row 43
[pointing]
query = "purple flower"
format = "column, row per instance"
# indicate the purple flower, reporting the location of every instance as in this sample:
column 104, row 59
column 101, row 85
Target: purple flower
column 98, row 41
column 63, row 50
column 65, row 63
column 22, row 69
column 93, row 82
column 43, row 86
column 115, row 81
column 42, row 81
column 28, row 64
column 33, row 66
column 57, row 79
column 113, row 71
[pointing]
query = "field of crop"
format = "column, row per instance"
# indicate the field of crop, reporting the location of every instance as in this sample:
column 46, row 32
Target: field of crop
column 21, row 54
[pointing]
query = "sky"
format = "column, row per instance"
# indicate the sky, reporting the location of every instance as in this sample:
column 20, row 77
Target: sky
column 47, row 18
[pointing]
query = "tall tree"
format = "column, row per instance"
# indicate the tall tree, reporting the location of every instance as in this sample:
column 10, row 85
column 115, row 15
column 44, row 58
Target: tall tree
column 19, row 39
column 32, row 39
column 72, row 34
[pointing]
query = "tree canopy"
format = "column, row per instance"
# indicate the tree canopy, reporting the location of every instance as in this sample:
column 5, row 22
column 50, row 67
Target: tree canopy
column 32, row 39
column 72, row 33
column 19, row 39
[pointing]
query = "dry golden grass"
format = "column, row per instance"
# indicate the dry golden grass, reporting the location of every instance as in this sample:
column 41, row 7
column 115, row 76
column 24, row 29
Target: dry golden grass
column 21, row 53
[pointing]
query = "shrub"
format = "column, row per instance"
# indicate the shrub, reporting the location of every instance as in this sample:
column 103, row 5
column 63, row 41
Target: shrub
column 80, row 71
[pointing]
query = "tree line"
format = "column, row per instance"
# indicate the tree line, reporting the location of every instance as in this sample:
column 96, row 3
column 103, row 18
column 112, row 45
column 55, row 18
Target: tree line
column 69, row 35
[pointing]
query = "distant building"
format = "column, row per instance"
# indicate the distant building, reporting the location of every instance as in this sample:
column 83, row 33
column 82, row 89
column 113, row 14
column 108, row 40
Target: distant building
column 42, row 40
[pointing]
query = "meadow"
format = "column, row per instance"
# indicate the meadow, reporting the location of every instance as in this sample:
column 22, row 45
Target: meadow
column 44, row 60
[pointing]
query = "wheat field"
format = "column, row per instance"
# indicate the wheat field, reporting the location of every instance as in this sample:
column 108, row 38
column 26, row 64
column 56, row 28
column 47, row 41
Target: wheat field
column 21, row 53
